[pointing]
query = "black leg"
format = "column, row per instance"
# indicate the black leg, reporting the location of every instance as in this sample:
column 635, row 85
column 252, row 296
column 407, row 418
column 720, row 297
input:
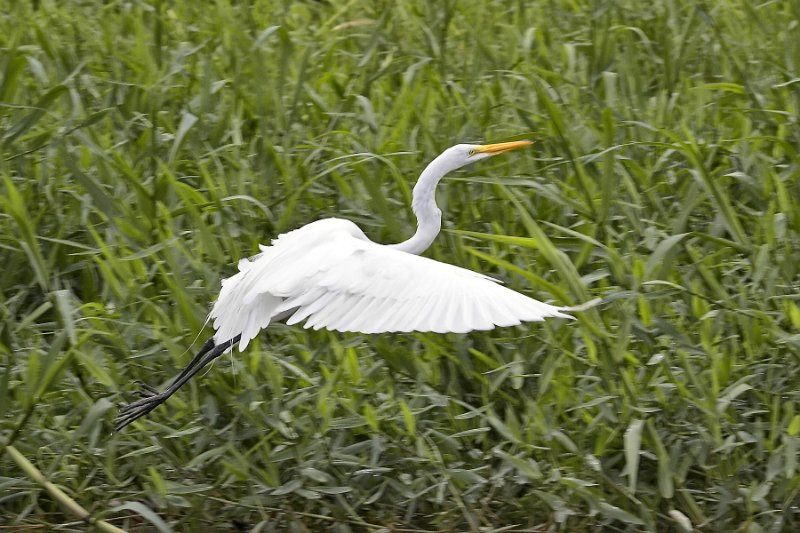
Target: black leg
column 152, row 399
column 207, row 347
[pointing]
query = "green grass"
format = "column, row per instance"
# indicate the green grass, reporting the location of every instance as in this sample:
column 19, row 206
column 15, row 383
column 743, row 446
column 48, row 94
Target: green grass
column 148, row 146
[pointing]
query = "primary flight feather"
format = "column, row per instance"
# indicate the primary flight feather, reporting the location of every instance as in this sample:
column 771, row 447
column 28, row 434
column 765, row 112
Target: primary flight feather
column 328, row 274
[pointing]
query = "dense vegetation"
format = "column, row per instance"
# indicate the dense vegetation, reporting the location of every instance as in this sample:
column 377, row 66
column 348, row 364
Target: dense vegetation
column 149, row 145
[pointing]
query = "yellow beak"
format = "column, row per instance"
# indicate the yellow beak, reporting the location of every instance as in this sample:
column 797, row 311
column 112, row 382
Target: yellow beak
column 499, row 148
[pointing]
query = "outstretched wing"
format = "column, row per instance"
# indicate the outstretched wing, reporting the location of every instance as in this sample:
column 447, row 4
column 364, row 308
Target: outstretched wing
column 330, row 275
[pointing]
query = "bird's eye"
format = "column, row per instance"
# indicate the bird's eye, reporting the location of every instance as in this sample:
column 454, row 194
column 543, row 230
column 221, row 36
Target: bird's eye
column 472, row 152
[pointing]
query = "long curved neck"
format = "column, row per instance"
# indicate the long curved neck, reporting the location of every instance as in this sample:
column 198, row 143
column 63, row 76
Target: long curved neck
column 429, row 217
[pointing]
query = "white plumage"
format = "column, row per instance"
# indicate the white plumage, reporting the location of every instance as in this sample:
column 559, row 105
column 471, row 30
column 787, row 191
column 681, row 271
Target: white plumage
column 330, row 275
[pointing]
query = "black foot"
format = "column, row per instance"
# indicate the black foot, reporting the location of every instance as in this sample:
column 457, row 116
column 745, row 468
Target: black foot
column 147, row 390
column 152, row 398
column 134, row 411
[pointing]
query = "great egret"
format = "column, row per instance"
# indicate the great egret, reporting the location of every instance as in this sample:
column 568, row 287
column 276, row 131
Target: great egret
column 331, row 275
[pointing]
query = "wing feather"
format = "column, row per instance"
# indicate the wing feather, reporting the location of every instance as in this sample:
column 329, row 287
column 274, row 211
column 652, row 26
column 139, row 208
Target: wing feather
column 382, row 318
column 359, row 323
column 355, row 314
column 499, row 313
column 334, row 318
column 330, row 275
column 411, row 312
column 428, row 313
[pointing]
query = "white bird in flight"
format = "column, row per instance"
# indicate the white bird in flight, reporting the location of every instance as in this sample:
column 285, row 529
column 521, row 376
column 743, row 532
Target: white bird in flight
column 331, row 275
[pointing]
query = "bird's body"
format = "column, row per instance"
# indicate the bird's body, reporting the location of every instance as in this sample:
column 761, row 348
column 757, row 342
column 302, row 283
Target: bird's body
column 330, row 275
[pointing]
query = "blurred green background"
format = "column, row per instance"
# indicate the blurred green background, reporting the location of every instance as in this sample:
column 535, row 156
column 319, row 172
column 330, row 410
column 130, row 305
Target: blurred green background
column 147, row 146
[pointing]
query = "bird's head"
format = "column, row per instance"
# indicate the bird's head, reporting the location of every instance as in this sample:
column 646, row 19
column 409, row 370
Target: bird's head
column 464, row 154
